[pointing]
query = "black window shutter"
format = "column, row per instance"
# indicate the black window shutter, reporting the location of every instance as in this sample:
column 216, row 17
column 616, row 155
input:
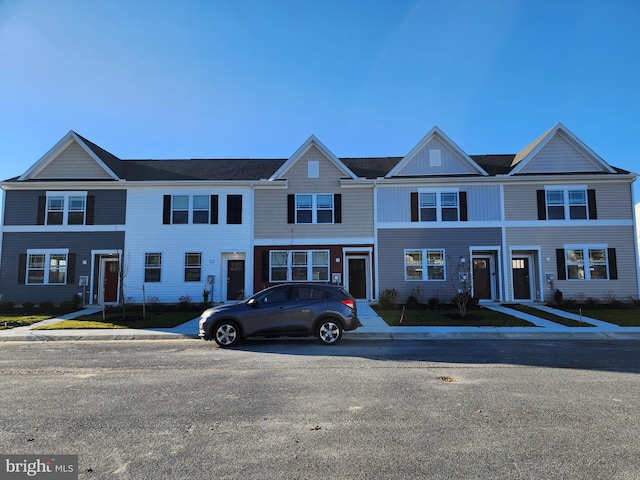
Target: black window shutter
column 22, row 268
column 414, row 207
column 542, row 205
column 337, row 208
column 591, row 198
column 91, row 207
column 265, row 266
column 71, row 268
column 562, row 271
column 463, row 206
column 166, row 210
column 214, row 210
column 42, row 206
column 234, row 209
column 291, row 208
column 613, row 264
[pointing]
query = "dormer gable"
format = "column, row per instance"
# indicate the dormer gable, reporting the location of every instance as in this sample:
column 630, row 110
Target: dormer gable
column 74, row 158
column 435, row 155
column 558, row 151
column 313, row 152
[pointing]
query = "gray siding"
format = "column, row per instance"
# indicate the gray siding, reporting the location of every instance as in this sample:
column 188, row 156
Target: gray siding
column 21, row 206
column 560, row 155
column 456, row 242
column 451, row 162
column 483, row 202
column 550, row 238
column 14, row 244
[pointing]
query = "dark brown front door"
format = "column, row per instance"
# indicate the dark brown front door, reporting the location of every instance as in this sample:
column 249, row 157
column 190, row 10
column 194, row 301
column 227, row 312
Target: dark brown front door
column 110, row 281
column 521, row 285
column 481, row 278
column 357, row 277
column 235, row 279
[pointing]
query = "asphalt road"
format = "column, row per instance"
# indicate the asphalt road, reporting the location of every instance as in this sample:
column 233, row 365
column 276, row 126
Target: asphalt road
column 381, row 409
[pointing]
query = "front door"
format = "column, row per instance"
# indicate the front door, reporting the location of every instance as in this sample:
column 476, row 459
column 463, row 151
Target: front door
column 521, row 283
column 235, row 279
column 110, row 285
column 358, row 277
column 482, row 278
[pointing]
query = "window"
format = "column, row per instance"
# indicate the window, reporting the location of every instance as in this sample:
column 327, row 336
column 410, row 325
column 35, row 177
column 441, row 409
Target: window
column 419, row 261
column 316, row 208
column 192, row 267
column 299, row 266
column 152, row 267
column 439, row 207
column 46, row 268
column 180, row 209
column 201, row 209
column 66, row 208
column 185, row 209
column 234, row 209
column 566, row 203
column 587, row 264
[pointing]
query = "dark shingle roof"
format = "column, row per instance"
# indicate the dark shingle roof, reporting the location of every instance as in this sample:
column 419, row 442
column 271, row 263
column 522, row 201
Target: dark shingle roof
column 110, row 160
column 200, row 169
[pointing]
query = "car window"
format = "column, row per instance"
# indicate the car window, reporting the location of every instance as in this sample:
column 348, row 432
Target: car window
column 277, row 295
column 310, row 293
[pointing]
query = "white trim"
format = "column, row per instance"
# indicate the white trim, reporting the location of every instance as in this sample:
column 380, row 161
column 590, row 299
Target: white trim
column 435, row 131
column 355, row 253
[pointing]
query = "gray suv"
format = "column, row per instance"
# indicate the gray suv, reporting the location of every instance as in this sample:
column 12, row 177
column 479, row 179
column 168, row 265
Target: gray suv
column 284, row 310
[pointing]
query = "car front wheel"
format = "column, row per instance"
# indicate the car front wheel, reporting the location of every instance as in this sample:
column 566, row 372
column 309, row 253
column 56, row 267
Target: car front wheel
column 329, row 332
column 226, row 334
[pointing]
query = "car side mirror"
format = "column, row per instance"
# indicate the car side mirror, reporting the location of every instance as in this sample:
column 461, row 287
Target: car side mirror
column 252, row 302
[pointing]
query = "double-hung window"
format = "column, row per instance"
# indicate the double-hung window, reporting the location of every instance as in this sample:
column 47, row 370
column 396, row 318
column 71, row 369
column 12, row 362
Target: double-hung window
column 190, row 209
column 180, row 209
column 299, row 265
column 424, row 264
column 587, row 263
column 566, row 203
column 66, row 208
column 439, row 207
column 201, row 208
column 48, row 268
column 314, row 208
column 192, row 267
column 152, row 267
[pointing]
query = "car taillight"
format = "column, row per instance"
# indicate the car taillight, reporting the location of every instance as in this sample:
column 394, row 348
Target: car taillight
column 348, row 302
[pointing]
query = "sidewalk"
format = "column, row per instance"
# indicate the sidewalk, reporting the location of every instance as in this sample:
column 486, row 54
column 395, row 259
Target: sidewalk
column 373, row 328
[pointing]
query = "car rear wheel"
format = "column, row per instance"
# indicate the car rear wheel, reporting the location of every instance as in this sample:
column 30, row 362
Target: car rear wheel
column 329, row 332
column 226, row 334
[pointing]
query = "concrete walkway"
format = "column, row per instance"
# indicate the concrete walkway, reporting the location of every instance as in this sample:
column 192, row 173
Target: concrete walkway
column 373, row 328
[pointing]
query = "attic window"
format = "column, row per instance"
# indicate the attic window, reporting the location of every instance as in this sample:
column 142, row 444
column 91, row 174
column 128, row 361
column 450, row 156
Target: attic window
column 313, row 167
column 435, row 158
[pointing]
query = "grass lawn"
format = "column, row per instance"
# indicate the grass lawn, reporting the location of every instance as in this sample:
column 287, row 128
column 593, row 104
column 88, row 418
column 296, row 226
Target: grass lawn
column 12, row 321
column 547, row 316
column 447, row 318
column 625, row 316
column 134, row 320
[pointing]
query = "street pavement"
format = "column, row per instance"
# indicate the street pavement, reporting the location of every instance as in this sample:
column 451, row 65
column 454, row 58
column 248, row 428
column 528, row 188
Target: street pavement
column 373, row 327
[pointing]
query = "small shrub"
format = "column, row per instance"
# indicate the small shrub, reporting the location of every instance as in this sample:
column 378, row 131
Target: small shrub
column 152, row 299
column 67, row 307
column 412, row 302
column 6, row 307
column 388, row 298
column 417, row 292
column 47, row 307
column 609, row 296
column 433, row 303
column 581, row 297
column 591, row 302
column 28, row 307
column 557, row 297
column 185, row 299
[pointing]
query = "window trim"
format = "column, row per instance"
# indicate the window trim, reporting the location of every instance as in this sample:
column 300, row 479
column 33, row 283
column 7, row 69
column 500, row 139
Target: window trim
column 425, row 266
column 47, row 267
column 586, row 262
column 152, row 268
column 191, row 268
column 314, row 208
column 309, row 265
column 438, row 193
column 589, row 206
column 66, row 202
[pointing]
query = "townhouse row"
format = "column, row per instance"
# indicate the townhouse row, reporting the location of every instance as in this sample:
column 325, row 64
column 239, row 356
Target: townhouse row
column 512, row 227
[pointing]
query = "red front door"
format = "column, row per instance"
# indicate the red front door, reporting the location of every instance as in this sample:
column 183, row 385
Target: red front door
column 111, row 281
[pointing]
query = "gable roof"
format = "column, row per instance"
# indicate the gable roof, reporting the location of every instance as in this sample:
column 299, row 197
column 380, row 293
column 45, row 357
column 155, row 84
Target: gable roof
column 102, row 158
column 435, row 132
column 525, row 155
column 304, row 148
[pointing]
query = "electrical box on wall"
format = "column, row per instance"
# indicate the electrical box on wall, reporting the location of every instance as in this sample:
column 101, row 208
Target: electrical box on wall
column 210, row 279
column 336, row 278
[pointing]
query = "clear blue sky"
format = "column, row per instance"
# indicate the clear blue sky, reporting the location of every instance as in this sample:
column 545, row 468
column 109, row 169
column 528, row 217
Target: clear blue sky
column 202, row 79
